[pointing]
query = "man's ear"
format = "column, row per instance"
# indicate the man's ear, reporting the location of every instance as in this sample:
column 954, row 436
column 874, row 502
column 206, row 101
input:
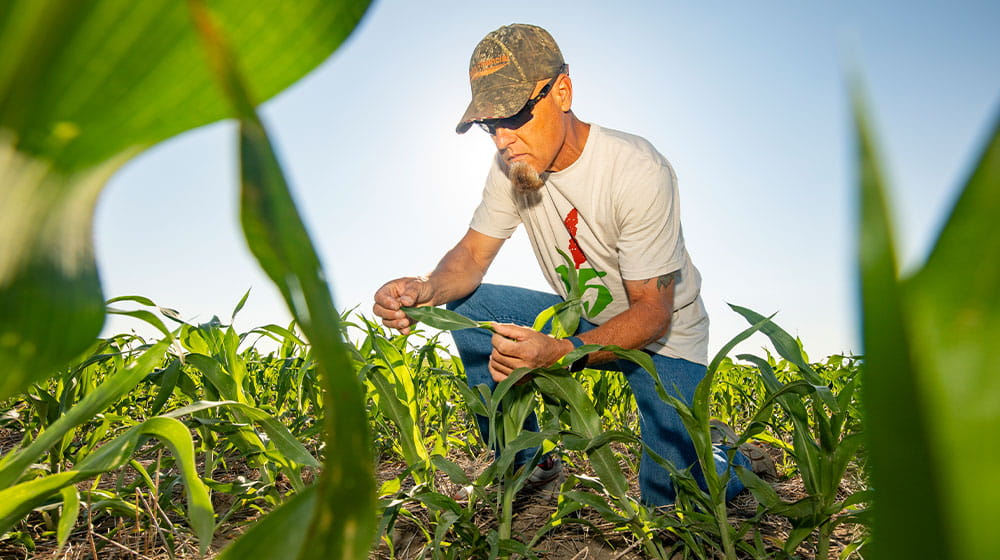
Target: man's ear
column 563, row 92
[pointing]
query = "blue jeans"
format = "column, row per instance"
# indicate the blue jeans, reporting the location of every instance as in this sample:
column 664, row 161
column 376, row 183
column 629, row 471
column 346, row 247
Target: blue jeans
column 660, row 426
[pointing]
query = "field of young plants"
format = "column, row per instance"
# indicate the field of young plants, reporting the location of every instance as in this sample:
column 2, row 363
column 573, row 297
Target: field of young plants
column 200, row 443
column 172, row 447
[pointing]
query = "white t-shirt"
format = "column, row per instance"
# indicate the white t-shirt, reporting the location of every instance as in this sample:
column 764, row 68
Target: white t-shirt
column 615, row 211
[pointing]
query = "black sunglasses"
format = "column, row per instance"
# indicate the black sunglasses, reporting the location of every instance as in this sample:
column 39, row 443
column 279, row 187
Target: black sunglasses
column 524, row 115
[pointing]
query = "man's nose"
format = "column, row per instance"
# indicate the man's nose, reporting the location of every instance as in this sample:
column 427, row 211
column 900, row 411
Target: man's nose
column 504, row 137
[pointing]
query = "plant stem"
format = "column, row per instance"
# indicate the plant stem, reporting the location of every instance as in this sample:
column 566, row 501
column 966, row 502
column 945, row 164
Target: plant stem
column 724, row 530
column 823, row 541
column 507, row 511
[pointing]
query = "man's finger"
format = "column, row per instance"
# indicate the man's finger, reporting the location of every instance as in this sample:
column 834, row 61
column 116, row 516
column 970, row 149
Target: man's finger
column 410, row 295
column 496, row 371
column 386, row 299
column 509, row 330
column 388, row 314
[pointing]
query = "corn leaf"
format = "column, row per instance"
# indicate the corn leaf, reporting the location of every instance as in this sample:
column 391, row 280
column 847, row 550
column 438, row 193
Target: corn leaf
column 440, row 318
column 955, row 316
column 69, row 514
column 904, row 472
column 279, row 435
column 586, row 422
column 84, row 87
column 18, row 500
column 343, row 522
column 217, row 376
column 14, row 464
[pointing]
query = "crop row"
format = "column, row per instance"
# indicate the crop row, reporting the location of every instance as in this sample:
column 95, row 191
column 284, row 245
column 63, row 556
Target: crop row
column 168, row 444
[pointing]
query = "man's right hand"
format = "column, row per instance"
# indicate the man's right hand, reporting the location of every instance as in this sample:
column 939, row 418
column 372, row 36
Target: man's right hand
column 401, row 292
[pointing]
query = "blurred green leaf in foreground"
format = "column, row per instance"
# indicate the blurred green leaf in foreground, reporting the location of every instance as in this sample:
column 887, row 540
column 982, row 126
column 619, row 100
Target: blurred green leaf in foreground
column 931, row 376
column 85, row 85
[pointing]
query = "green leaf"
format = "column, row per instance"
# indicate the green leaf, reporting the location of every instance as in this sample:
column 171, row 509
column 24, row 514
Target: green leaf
column 279, row 334
column 283, row 530
column 455, row 473
column 239, row 306
column 586, row 422
column 84, row 87
column 168, row 381
column 343, row 523
column 13, row 465
column 177, row 437
column 953, row 309
column 283, row 440
column 217, row 376
column 545, row 316
column 68, row 516
column 141, row 300
column 440, row 318
column 146, row 316
column 570, row 277
column 18, row 500
column 567, row 320
column 904, row 470
column 399, row 412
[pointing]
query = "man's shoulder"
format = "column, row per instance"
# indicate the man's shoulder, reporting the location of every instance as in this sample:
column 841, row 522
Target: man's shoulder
column 625, row 145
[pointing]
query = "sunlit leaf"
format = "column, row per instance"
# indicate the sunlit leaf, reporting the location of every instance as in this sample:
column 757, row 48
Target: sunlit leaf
column 84, row 87
column 440, row 318
column 343, row 522
column 953, row 309
column 69, row 514
column 904, row 472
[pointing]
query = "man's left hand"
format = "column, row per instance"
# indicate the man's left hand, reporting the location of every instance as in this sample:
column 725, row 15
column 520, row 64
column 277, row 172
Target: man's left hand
column 515, row 347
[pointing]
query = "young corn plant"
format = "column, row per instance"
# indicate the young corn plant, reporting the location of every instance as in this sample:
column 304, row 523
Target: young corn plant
column 512, row 401
column 119, row 390
column 396, row 396
column 822, row 446
column 710, row 501
column 24, row 488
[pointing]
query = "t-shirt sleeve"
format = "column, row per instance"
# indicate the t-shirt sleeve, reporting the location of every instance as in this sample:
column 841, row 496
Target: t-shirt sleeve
column 497, row 214
column 650, row 242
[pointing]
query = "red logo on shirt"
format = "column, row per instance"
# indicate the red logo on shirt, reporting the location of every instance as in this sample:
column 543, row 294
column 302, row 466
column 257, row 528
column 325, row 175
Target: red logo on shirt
column 574, row 248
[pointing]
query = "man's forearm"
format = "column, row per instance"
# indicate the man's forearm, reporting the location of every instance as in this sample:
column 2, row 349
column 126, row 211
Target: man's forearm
column 634, row 328
column 456, row 276
column 461, row 270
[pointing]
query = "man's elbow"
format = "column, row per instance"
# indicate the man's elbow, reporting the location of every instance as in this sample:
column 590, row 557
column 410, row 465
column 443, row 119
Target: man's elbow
column 662, row 328
column 659, row 325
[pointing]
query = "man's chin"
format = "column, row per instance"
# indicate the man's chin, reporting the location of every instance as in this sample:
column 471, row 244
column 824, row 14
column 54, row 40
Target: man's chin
column 524, row 178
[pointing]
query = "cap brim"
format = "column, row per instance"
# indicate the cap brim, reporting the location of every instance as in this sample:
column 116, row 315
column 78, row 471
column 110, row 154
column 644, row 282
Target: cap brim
column 497, row 103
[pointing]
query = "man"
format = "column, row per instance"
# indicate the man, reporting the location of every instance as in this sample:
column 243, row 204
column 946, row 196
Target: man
column 606, row 199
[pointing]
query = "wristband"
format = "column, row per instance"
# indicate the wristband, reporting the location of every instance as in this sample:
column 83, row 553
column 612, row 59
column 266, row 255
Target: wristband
column 580, row 362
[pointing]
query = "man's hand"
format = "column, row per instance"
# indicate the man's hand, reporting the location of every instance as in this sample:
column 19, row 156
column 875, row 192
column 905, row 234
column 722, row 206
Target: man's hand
column 515, row 346
column 402, row 292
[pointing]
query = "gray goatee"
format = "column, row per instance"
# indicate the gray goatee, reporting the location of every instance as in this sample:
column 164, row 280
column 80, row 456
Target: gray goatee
column 524, row 178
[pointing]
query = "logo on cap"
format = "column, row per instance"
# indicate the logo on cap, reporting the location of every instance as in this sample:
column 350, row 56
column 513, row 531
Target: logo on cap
column 488, row 66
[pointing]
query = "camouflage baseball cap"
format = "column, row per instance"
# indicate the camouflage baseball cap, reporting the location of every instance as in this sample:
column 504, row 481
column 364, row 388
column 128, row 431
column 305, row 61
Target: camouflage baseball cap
column 504, row 69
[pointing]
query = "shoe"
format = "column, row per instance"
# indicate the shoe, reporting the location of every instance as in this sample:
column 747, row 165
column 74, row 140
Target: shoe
column 761, row 462
column 549, row 470
column 542, row 477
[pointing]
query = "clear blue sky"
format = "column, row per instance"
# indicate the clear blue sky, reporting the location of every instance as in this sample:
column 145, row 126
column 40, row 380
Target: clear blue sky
column 749, row 101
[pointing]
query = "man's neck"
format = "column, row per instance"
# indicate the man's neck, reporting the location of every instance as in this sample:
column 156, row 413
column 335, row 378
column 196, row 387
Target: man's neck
column 572, row 146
